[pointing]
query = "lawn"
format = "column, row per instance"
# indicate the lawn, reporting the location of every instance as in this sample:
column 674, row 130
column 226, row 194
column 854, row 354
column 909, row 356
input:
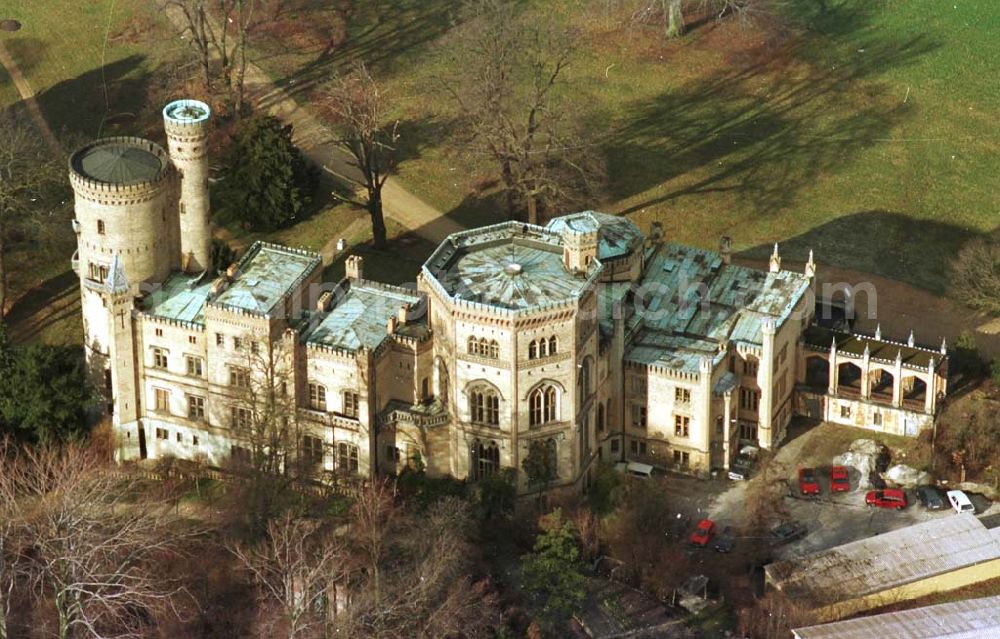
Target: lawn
column 866, row 133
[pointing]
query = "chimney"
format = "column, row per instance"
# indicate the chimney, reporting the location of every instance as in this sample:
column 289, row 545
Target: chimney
column 232, row 272
column 354, row 267
column 323, row 303
column 726, row 249
column 404, row 313
column 390, row 326
column 579, row 250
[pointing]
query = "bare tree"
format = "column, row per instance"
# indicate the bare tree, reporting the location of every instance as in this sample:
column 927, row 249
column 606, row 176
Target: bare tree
column 9, row 534
column 297, row 567
column 96, row 544
column 265, row 419
column 359, row 104
column 429, row 592
column 512, row 70
column 28, row 173
column 220, row 35
column 975, row 275
column 671, row 12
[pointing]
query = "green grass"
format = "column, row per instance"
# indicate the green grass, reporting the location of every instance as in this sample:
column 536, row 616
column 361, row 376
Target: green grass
column 867, row 133
column 88, row 61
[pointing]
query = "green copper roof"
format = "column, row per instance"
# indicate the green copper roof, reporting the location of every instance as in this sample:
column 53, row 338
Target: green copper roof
column 119, row 161
column 181, row 298
column 617, row 236
column 266, row 274
column 689, row 302
column 510, row 266
column 360, row 316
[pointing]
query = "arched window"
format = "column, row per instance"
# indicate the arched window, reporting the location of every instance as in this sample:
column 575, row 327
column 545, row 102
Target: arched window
column 484, row 347
column 542, row 405
column 473, row 346
column 485, row 459
column 600, row 417
column 484, row 407
column 552, row 345
column 494, row 349
column 533, row 350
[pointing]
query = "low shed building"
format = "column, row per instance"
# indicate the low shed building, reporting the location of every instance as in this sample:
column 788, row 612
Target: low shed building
column 967, row 619
column 939, row 555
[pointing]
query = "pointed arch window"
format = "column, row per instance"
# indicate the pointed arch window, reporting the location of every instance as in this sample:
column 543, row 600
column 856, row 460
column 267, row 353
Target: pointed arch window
column 543, row 404
column 533, row 350
column 484, row 407
column 552, row 345
column 485, row 459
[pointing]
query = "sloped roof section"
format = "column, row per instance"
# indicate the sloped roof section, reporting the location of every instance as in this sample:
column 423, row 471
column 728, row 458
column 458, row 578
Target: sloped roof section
column 617, row 235
column 968, row 619
column 360, row 316
column 265, row 276
column 888, row 560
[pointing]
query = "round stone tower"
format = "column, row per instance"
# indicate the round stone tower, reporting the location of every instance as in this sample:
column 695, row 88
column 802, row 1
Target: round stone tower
column 187, row 126
column 123, row 205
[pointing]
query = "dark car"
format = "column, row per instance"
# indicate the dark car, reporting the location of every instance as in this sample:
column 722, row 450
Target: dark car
column 931, row 498
column 725, row 541
column 742, row 467
column 788, row 532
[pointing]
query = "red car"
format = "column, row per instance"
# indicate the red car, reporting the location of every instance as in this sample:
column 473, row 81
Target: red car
column 808, row 484
column 887, row 498
column 703, row 533
column 839, row 481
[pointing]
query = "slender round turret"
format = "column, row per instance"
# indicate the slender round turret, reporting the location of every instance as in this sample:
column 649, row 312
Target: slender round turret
column 187, row 126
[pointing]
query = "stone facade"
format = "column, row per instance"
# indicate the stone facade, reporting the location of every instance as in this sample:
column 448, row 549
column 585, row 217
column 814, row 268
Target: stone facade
column 567, row 345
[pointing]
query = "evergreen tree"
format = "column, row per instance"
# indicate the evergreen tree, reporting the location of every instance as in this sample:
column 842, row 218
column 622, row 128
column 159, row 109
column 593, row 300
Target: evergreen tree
column 267, row 182
column 44, row 393
column 552, row 573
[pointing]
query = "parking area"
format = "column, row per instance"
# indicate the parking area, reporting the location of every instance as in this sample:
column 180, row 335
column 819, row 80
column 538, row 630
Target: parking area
column 832, row 519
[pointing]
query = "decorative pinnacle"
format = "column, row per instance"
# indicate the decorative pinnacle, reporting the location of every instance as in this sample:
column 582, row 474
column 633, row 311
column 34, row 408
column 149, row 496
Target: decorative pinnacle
column 878, row 332
column 899, row 357
column 944, row 346
column 911, row 341
column 867, row 351
column 833, row 345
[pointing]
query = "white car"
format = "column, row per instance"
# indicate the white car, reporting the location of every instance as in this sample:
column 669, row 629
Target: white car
column 960, row 502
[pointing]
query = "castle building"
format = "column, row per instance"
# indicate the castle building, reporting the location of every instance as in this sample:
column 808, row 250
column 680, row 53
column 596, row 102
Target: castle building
column 566, row 345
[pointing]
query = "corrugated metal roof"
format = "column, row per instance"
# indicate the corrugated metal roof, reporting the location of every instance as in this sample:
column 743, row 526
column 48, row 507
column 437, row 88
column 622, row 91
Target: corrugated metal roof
column 968, row 619
column 891, row 559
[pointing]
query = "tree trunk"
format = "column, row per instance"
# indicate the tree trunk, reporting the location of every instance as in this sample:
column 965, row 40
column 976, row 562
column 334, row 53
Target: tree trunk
column 532, row 210
column 507, row 175
column 378, row 220
column 675, row 18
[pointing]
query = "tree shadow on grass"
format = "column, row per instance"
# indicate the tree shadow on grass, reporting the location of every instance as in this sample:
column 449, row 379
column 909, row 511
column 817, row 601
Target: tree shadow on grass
column 79, row 108
column 886, row 243
column 382, row 42
column 762, row 131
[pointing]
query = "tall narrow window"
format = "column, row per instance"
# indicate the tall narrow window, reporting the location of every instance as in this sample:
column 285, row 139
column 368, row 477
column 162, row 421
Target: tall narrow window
column 317, row 397
column 100, row 227
column 484, row 407
column 347, row 457
column 162, row 400
column 311, row 452
column 543, row 406
column 351, row 404
column 159, row 358
column 196, row 408
column 682, row 426
column 485, row 459
column 494, row 349
column 194, row 366
column 533, row 350
column 552, row 345
column 638, row 416
column 239, row 377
